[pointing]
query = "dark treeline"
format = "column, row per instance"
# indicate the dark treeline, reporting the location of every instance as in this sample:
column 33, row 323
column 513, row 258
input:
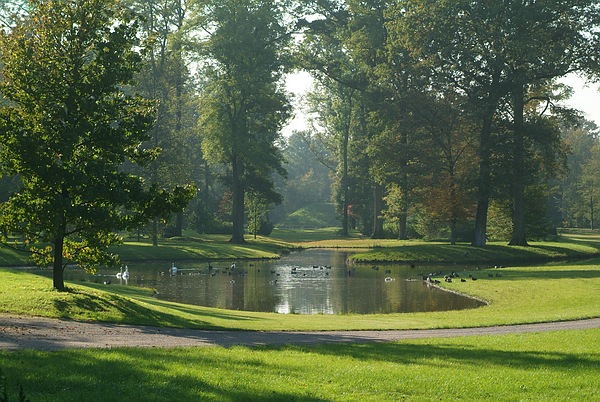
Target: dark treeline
column 430, row 119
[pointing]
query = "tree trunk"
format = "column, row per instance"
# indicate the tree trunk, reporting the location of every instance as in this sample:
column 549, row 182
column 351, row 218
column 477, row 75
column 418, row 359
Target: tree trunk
column 155, row 232
column 378, row 232
column 518, row 180
column 453, row 222
column 345, row 231
column 483, row 194
column 237, row 190
column 179, row 224
column 57, row 266
column 592, row 226
column 402, row 227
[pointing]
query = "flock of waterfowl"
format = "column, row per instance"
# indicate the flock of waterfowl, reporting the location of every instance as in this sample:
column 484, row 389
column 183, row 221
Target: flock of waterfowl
column 298, row 271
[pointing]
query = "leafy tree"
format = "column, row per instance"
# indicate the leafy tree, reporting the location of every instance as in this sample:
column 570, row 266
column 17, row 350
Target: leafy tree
column 590, row 184
column 9, row 11
column 574, row 204
column 491, row 50
column 165, row 76
column 243, row 106
column 70, row 123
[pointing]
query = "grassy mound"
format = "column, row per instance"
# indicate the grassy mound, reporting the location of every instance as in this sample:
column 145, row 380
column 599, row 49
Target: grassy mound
column 312, row 216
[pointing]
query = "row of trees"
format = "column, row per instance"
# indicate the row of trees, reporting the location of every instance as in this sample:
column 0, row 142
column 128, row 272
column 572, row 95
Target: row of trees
column 429, row 114
column 450, row 107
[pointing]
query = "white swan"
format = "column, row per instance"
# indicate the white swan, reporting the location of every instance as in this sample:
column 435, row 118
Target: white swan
column 120, row 273
column 126, row 273
column 173, row 269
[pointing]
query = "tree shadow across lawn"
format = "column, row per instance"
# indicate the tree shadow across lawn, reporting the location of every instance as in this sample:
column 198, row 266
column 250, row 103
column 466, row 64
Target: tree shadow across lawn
column 135, row 374
column 453, row 355
column 81, row 304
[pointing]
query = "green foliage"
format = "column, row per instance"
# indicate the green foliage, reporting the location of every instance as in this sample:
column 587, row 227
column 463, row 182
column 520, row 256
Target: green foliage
column 242, row 105
column 69, row 123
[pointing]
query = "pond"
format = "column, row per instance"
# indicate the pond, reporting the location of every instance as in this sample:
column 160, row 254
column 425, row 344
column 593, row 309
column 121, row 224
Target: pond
column 313, row 281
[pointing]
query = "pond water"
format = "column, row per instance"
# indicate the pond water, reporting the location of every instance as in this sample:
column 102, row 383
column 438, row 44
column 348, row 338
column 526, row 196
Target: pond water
column 308, row 282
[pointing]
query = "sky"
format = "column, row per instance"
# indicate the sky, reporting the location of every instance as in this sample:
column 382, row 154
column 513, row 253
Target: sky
column 586, row 98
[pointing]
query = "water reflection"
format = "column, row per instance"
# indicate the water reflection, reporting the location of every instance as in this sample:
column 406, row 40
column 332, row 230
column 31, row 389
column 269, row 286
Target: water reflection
column 308, row 282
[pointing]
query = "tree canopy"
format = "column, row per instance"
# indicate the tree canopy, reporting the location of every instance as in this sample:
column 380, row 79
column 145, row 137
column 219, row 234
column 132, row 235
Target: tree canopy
column 68, row 123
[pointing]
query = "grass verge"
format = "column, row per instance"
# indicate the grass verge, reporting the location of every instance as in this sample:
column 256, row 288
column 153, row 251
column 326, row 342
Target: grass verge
column 538, row 366
column 544, row 366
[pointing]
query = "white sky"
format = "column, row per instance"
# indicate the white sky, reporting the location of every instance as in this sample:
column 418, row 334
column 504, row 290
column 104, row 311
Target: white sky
column 586, row 98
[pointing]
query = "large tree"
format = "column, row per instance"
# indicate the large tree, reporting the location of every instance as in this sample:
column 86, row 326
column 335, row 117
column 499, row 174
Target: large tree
column 494, row 50
column 70, row 122
column 165, row 76
column 243, row 104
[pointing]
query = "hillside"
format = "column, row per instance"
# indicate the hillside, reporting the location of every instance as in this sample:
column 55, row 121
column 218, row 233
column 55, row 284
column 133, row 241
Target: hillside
column 313, row 216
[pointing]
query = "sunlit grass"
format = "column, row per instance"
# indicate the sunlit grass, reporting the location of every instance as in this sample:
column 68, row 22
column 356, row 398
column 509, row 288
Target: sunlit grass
column 546, row 366
column 518, row 295
column 537, row 366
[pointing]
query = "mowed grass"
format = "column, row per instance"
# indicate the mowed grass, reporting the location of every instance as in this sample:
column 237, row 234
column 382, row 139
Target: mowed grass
column 520, row 294
column 562, row 365
column 554, row 366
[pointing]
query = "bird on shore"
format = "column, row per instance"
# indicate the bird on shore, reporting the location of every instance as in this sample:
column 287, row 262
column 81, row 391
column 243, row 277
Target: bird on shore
column 173, row 269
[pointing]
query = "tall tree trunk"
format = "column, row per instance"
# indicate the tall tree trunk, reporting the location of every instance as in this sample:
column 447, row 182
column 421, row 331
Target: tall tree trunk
column 404, row 187
column 378, row 232
column 237, row 190
column 345, row 231
column 453, row 217
column 57, row 266
column 402, row 227
column 179, row 99
column 518, row 179
column 483, row 194
column 592, row 225
column 155, row 232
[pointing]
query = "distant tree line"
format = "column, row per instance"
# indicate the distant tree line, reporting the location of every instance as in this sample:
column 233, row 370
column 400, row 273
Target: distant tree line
column 429, row 118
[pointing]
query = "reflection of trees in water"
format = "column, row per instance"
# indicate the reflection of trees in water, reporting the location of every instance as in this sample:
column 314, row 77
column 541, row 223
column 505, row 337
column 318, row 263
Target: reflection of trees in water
column 309, row 282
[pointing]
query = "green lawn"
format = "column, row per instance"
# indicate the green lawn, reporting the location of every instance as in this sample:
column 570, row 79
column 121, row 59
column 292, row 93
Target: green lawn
column 562, row 365
column 555, row 366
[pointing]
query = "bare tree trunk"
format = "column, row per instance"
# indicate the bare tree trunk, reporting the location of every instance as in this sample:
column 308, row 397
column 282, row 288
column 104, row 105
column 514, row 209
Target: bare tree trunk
column 377, row 208
column 237, row 190
column 483, row 195
column 57, row 266
column 518, row 234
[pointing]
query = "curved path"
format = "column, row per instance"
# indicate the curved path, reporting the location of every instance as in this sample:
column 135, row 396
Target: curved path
column 17, row 332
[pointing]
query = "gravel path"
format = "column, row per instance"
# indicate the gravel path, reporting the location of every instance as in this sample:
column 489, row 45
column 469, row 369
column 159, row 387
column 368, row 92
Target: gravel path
column 17, row 332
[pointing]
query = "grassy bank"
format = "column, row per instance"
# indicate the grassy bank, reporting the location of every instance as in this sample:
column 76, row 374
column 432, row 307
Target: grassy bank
column 570, row 245
column 543, row 367
column 520, row 294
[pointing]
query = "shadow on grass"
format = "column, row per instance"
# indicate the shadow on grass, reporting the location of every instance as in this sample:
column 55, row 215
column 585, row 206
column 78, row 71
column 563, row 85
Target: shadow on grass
column 407, row 353
column 542, row 273
column 126, row 311
column 146, row 375
column 265, row 374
